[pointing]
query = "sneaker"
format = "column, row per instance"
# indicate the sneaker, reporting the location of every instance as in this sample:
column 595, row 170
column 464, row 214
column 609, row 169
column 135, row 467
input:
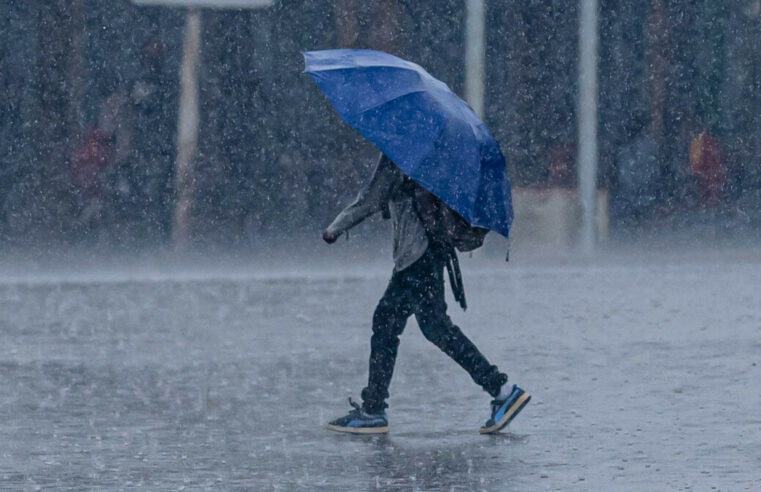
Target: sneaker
column 359, row 422
column 504, row 411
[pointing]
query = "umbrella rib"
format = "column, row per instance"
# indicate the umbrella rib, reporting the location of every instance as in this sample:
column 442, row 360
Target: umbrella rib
column 428, row 186
column 313, row 70
column 378, row 105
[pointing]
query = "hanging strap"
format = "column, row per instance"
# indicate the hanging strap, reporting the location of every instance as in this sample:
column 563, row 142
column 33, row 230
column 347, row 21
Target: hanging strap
column 455, row 278
column 450, row 254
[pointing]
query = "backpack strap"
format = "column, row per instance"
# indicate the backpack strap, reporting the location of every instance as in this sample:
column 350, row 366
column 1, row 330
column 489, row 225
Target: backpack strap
column 448, row 250
column 455, row 278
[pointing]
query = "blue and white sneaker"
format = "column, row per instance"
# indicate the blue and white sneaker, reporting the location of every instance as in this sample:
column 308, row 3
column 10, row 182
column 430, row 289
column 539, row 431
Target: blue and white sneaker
column 359, row 422
column 504, row 411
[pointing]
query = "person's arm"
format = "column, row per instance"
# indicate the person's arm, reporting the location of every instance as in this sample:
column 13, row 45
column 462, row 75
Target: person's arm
column 371, row 199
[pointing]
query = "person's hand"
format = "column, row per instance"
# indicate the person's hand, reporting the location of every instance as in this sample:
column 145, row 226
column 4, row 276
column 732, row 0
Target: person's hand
column 329, row 238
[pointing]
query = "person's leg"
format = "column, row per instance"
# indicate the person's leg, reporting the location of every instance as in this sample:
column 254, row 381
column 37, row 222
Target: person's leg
column 431, row 315
column 437, row 327
column 389, row 320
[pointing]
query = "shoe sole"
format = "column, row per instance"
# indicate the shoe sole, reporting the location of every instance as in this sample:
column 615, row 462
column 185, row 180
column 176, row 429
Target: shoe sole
column 510, row 414
column 357, row 430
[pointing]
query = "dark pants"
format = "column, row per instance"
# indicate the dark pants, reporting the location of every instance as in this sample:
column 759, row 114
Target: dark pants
column 419, row 290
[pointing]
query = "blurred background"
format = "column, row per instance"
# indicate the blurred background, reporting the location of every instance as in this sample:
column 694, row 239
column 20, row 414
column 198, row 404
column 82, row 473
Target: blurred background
column 90, row 93
column 127, row 365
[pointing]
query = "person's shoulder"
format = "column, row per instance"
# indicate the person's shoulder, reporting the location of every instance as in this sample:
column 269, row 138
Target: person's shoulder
column 387, row 169
column 385, row 162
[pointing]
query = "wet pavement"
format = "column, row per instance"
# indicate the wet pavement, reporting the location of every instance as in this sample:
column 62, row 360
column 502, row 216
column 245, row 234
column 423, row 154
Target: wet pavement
column 643, row 376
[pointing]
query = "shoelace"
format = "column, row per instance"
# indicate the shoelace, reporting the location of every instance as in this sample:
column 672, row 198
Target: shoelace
column 357, row 407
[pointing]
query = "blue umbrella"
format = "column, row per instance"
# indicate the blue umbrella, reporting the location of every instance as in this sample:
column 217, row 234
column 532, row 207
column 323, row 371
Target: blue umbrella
column 421, row 125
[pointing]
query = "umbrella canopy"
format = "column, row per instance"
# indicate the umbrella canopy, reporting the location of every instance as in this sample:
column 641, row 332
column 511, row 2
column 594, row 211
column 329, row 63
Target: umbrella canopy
column 421, row 125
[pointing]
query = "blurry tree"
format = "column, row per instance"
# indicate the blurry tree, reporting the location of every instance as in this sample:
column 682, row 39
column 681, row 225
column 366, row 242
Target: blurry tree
column 347, row 28
column 53, row 122
column 740, row 102
column 275, row 159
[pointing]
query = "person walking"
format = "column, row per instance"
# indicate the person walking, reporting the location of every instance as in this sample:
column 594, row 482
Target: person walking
column 416, row 288
column 442, row 178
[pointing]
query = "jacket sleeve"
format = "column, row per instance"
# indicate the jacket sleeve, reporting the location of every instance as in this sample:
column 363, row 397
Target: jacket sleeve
column 372, row 198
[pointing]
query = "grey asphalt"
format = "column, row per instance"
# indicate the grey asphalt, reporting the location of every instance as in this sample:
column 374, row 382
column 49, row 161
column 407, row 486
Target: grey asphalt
column 644, row 376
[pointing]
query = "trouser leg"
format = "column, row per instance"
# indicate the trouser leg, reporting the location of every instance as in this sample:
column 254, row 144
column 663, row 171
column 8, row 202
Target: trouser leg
column 453, row 342
column 389, row 320
column 437, row 327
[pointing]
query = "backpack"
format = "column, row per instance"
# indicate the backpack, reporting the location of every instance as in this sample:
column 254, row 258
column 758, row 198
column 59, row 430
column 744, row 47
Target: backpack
column 444, row 225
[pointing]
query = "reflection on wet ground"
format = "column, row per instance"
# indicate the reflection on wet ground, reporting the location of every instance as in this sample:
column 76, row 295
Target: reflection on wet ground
column 171, row 384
